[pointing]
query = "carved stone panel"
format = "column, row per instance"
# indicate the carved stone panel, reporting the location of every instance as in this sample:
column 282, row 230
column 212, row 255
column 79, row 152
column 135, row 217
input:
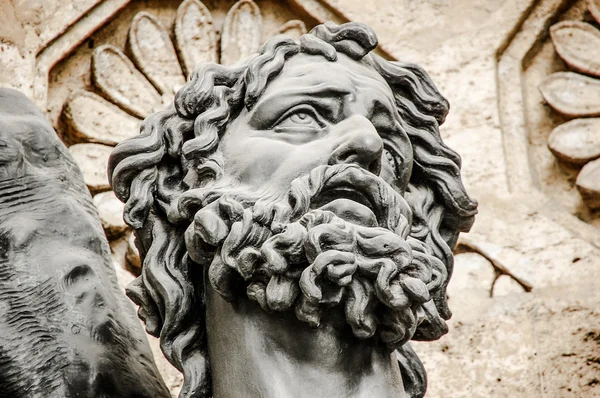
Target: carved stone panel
column 561, row 84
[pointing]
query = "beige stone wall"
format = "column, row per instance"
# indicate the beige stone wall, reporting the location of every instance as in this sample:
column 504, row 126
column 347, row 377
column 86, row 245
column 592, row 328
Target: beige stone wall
column 505, row 342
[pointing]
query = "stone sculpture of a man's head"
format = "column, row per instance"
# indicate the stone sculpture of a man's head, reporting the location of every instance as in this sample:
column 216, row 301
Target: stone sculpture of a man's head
column 310, row 179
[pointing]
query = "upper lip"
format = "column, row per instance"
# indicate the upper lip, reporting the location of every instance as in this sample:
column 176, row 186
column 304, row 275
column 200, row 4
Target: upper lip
column 329, row 194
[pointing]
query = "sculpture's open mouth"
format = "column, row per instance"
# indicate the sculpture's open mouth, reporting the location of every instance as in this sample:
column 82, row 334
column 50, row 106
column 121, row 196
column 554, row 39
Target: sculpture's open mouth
column 349, row 205
column 353, row 196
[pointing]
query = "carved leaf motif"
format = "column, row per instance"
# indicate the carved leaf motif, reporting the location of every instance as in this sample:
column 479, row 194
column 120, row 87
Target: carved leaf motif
column 588, row 184
column 91, row 118
column 577, row 141
column 118, row 79
column 154, row 54
column 594, row 7
column 110, row 209
column 241, row 32
column 92, row 159
column 293, row 29
column 195, row 37
column 578, row 43
column 572, row 94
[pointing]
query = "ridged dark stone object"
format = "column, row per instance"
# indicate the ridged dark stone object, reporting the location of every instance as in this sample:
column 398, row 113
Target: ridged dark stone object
column 66, row 329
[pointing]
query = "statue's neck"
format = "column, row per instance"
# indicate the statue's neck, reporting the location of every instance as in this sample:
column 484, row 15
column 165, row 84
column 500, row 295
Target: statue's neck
column 256, row 354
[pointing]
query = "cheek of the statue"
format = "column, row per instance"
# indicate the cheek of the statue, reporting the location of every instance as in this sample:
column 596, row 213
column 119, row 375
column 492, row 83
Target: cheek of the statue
column 260, row 162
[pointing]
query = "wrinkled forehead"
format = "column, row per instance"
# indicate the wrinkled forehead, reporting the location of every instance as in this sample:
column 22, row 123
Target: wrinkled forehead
column 357, row 81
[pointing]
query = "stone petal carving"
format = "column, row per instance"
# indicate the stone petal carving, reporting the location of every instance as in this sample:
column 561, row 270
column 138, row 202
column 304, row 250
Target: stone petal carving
column 118, row 79
column 195, row 37
column 110, row 209
column 154, row 54
column 572, row 94
column 588, row 184
column 91, row 118
column 577, row 43
column 577, row 141
column 92, row 159
column 594, row 7
column 293, row 29
column 241, row 32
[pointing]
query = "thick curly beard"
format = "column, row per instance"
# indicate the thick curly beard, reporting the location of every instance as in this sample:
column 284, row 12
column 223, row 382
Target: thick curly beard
column 289, row 255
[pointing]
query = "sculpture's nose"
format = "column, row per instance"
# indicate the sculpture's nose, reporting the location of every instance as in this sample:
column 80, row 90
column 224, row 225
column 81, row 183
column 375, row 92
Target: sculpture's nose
column 360, row 144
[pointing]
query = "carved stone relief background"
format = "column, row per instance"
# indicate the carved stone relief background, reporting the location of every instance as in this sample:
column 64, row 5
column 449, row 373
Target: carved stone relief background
column 489, row 59
column 562, row 120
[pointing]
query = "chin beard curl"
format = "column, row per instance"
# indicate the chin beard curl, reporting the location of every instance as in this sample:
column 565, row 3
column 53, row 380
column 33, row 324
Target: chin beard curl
column 291, row 251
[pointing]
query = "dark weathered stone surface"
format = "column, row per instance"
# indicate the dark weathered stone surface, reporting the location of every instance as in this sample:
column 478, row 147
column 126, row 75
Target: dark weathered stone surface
column 295, row 215
column 66, row 330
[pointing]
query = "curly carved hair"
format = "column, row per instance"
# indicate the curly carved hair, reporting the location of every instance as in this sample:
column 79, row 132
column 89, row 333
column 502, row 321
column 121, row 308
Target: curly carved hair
column 179, row 145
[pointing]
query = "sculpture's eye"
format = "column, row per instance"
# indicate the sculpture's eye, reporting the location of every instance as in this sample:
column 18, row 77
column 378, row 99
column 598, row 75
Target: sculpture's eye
column 303, row 118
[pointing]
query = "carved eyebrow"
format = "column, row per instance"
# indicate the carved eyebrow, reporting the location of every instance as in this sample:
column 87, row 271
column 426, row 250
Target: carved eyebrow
column 327, row 98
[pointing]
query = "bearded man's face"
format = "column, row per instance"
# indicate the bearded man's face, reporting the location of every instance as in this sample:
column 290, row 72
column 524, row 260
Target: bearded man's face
column 308, row 214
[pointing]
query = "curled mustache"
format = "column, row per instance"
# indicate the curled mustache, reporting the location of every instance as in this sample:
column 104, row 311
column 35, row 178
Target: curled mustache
column 292, row 256
column 271, row 207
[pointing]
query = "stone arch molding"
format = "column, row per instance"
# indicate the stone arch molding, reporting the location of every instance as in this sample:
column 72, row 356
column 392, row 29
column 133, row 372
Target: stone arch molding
column 528, row 62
